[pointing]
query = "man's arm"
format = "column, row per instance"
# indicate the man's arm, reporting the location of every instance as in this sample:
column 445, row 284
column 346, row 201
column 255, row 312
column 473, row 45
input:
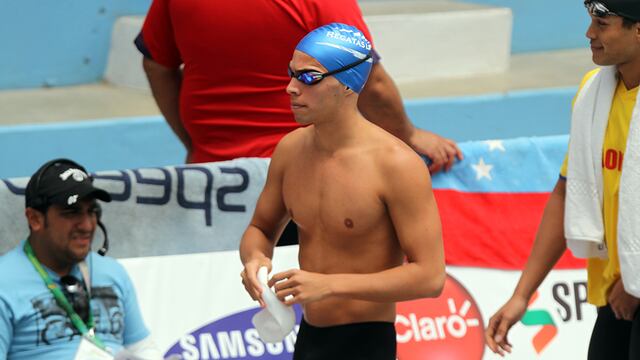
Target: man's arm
column 547, row 249
column 6, row 329
column 136, row 337
column 414, row 214
column 165, row 86
column 380, row 103
column 269, row 219
column 416, row 220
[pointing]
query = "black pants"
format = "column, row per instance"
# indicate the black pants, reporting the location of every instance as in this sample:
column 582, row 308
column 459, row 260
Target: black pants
column 360, row 341
column 614, row 339
column 289, row 235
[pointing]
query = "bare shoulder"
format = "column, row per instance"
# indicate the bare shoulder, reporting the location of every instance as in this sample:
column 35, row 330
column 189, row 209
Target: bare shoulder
column 393, row 155
column 283, row 154
column 290, row 144
column 293, row 139
column 401, row 167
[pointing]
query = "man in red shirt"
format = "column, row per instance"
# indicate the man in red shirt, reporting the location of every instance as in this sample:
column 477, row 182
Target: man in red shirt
column 229, row 100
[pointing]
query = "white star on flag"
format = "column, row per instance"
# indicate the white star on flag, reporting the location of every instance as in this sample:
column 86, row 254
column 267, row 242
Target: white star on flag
column 482, row 170
column 495, row 145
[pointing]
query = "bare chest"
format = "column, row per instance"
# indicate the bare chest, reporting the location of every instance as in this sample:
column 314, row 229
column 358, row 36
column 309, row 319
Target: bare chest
column 335, row 198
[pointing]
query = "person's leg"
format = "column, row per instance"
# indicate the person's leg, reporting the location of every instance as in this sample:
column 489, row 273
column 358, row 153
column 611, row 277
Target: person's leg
column 634, row 341
column 610, row 337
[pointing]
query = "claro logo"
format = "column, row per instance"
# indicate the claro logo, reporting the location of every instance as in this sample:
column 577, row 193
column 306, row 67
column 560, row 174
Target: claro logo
column 232, row 337
column 449, row 327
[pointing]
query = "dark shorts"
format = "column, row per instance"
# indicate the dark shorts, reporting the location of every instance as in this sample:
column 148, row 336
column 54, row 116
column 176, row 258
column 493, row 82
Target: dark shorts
column 614, row 339
column 289, row 235
column 368, row 340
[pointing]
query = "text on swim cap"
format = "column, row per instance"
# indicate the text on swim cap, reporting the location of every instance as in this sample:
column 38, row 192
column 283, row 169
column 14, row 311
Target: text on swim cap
column 363, row 44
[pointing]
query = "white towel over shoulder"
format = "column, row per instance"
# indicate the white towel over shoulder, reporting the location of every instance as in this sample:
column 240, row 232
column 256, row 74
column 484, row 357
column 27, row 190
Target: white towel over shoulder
column 583, row 224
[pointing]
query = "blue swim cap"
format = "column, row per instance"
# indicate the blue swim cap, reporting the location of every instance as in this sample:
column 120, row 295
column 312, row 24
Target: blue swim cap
column 336, row 45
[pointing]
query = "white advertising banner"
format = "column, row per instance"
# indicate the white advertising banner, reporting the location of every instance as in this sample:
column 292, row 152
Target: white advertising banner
column 214, row 202
column 196, row 307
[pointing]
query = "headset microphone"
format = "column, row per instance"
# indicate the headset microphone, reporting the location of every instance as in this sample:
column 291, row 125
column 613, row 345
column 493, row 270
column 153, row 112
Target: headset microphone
column 105, row 244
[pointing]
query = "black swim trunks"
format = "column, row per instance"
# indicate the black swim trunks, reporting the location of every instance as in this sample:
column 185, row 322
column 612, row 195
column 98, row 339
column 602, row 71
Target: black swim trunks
column 368, row 340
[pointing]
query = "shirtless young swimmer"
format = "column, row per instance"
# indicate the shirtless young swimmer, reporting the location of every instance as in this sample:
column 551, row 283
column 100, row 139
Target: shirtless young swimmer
column 362, row 201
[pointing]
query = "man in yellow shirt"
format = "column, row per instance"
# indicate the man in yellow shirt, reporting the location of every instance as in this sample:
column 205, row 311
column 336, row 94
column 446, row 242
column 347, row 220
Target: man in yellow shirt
column 614, row 34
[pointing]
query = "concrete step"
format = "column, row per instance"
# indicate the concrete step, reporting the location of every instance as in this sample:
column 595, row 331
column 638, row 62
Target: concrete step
column 428, row 40
column 418, row 41
column 124, row 65
column 539, row 70
column 73, row 103
column 556, row 69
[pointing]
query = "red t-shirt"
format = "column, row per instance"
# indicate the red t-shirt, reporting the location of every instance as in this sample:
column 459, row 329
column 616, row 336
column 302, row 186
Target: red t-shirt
column 235, row 53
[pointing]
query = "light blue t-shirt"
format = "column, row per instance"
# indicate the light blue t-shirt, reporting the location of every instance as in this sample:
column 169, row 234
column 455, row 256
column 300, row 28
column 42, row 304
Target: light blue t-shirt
column 33, row 326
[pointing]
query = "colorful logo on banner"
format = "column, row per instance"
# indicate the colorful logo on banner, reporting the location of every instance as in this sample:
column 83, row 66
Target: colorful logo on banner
column 536, row 318
column 233, row 337
column 449, row 327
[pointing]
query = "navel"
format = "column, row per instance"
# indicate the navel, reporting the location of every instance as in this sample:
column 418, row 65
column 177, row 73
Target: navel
column 348, row 223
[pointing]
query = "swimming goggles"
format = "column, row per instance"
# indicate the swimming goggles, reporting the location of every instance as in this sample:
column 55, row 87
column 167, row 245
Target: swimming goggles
column 312, row 77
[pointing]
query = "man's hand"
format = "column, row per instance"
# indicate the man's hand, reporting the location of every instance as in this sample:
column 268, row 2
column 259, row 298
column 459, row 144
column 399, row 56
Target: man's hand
column 501, row 322
column 624, row 305
column 300, row 286
column 250, row 278
column 442, row 152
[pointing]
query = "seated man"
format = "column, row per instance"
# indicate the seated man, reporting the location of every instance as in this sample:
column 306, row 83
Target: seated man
column 58, row 300
column 362, row 201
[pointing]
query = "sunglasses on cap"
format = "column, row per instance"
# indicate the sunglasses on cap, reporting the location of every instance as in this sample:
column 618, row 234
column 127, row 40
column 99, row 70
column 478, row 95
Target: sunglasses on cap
column 312, row 77
column 600, row 10
column 75, row 292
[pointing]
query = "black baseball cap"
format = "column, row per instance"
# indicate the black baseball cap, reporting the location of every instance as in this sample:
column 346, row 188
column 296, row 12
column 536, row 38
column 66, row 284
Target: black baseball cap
column 629, row 9
column 62, row 182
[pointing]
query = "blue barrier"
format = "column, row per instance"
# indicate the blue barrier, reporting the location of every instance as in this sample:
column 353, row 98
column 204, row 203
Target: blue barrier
column 148, row 141
column 97, row 144
column 495, row 116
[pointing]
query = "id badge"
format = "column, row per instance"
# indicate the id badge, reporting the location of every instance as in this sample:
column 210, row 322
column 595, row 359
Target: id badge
column 89, row 351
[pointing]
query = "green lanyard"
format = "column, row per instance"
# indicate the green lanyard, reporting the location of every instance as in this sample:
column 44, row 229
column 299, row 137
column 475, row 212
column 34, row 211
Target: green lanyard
column 85, row 329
